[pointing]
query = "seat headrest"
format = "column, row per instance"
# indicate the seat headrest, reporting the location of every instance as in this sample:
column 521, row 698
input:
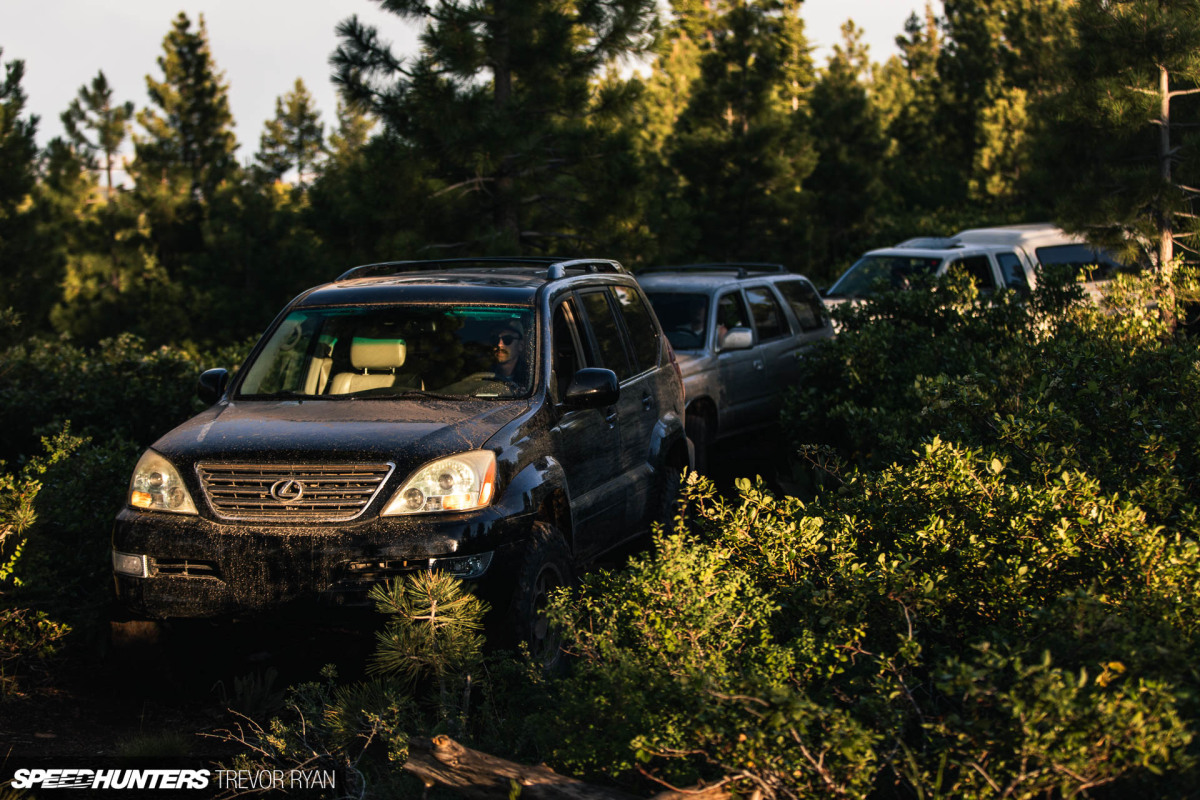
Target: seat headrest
column 377, row 353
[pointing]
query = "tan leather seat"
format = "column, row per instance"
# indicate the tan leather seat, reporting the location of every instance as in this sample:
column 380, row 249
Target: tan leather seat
column 375, row 362
column 319, row 369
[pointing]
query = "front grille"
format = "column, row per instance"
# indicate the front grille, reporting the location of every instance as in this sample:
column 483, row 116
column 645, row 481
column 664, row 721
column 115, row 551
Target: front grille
column 317, row 493
column 185, row 567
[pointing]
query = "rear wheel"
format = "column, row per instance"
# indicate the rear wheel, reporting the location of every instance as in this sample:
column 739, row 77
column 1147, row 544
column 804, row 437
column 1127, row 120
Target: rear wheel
column 668, row 497
column 546, row 567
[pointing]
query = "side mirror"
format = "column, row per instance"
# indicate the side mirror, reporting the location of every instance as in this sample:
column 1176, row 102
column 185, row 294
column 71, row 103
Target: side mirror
column 212, row 385
column 737, row 339
column 593, row 387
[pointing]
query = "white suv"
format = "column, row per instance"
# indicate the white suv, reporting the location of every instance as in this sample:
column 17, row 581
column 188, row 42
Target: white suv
column 1001, row 257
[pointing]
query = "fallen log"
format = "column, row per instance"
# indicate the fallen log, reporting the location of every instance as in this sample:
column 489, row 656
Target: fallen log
column 480, row 776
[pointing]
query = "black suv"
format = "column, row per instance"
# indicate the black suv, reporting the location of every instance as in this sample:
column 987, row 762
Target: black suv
column 503, row 420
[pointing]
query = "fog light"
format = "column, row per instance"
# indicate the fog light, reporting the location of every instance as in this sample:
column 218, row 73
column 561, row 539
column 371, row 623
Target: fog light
column 130, row 565
column 465, row 567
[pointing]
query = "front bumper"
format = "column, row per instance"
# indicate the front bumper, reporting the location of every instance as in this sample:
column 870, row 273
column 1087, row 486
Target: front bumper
column 196, row 567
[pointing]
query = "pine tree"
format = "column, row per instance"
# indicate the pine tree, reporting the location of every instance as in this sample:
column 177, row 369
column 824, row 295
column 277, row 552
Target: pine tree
column 97, row 127
column 18, row 146
column 850, row 144
column 29, row 279
column 1000, row 57
column 739, row 151
column 189, row 137
column 295, row 138
column 927, row 163
column 352, row 133
column 1123, row 152
column 502, row 103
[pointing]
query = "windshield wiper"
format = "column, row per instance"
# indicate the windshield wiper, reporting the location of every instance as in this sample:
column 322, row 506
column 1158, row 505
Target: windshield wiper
column 405, row 395
column 284, row 395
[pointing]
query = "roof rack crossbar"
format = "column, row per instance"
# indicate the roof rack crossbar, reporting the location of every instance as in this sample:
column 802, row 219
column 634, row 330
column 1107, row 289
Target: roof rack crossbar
column 742, row 268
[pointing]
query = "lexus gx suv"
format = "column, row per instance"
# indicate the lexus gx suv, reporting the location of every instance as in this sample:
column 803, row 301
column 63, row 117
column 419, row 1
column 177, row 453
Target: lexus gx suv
column 501, row 420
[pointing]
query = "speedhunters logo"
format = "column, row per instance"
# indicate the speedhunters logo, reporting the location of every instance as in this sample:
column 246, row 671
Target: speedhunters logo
column 110, row 779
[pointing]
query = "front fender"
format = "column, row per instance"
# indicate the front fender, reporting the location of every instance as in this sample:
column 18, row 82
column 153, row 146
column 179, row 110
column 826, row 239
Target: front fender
column 537, row 487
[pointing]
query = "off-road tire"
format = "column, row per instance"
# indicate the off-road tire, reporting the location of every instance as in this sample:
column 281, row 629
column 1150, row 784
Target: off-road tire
column 546, row 566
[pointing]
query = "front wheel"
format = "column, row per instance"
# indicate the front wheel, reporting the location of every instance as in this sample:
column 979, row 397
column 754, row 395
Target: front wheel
column 546, row 567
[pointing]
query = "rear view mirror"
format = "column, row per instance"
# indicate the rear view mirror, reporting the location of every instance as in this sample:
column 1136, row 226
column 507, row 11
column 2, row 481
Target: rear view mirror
column 737, row 339
column 212, row 385
column 593, row 387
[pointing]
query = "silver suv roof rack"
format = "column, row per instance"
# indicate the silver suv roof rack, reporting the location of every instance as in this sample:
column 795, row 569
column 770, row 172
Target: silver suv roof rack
column 742, row 269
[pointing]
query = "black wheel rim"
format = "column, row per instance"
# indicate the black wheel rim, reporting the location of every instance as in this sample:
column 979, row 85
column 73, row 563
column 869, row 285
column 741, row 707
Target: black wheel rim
column 543, row 642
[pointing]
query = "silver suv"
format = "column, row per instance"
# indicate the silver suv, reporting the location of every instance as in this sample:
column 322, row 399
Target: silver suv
column 739, row 330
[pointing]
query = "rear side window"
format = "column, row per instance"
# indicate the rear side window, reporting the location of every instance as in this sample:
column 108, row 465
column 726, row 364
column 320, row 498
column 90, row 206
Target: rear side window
column 643, row 333
column 1013, row 272
column 978, row 268
column 805, row 303
column 768, row 316
column 1081, row 257
column 606, row 332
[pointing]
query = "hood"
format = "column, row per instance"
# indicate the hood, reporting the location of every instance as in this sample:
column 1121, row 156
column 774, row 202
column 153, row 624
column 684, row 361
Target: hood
column 402, row 431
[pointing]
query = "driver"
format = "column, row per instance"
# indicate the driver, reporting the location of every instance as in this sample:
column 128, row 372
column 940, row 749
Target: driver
column 508, row 342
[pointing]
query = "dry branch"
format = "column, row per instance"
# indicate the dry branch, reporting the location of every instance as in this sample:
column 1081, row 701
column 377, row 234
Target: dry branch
column 479, row 776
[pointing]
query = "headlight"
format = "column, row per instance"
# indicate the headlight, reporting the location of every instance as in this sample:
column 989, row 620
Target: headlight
column 156, row 486
column 459, row 483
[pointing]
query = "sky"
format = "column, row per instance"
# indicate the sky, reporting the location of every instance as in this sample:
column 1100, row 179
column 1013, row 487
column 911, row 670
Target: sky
column 262, row 46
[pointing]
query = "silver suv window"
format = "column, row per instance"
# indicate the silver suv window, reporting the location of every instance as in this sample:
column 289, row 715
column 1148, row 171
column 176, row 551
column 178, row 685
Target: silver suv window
column 768, row 316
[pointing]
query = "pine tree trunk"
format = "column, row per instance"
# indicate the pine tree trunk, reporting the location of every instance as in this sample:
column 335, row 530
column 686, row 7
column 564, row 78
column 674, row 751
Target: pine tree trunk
column 1166, row 237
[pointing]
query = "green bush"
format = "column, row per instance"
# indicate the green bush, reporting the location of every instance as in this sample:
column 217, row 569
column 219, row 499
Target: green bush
column 1049, row 384
column 939, row 629
column 114, row 400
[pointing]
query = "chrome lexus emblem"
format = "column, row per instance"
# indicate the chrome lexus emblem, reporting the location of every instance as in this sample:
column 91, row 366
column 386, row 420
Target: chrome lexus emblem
column 289, row 490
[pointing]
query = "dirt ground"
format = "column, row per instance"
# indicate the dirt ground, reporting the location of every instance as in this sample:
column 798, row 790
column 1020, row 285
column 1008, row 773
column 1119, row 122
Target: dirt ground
column 160, row 691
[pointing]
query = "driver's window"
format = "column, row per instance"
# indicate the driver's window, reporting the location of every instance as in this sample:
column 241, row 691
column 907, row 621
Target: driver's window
column 731, row 313
column 565, row 351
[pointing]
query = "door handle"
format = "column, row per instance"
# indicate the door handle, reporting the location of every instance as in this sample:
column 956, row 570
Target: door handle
column 611, row 417
column 758, row 364
column 647, row 402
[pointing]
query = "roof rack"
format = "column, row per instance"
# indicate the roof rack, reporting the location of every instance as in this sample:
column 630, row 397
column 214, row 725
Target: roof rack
column 556, row 267
column 742, row 268
column 930, row 243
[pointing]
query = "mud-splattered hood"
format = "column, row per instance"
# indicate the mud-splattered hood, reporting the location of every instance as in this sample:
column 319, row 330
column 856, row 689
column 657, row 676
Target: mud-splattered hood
column 314, row 431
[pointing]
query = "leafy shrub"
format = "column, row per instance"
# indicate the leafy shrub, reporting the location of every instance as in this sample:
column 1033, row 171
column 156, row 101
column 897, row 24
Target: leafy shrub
column 113, row 401
column 1050, row 384
column 943, row 628
column 28, row 640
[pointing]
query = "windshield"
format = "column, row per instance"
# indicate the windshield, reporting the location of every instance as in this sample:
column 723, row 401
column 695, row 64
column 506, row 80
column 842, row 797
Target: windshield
column 884, row 273
column 684, row 318
column 395, row 351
